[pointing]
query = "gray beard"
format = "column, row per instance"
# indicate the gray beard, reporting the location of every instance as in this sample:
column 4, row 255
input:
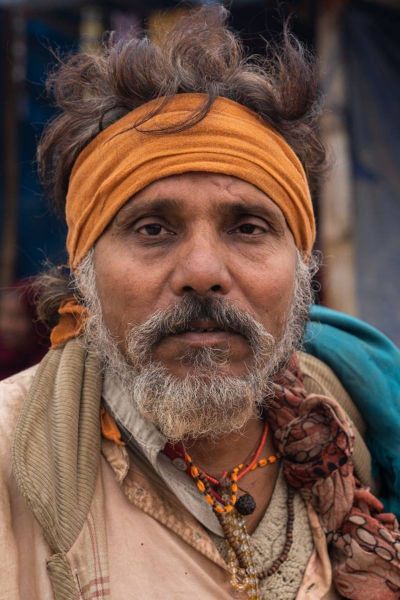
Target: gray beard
column 205, row 402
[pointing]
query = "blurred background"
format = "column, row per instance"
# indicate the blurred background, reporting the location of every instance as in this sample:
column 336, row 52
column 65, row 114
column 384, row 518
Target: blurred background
column 357, row 43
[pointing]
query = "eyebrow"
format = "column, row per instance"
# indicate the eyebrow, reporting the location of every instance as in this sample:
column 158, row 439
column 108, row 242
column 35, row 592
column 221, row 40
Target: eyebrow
column 158, row 205
column 236, row 208
column 240, row 207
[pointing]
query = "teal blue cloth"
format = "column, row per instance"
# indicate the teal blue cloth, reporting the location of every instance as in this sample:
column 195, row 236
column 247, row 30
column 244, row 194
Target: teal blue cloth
column 368, row 365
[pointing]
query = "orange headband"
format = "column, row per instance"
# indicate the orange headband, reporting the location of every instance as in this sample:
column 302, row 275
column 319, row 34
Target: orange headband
column 230, row 139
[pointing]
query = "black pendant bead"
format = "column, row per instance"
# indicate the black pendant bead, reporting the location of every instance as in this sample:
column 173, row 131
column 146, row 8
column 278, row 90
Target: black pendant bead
column 245, row 505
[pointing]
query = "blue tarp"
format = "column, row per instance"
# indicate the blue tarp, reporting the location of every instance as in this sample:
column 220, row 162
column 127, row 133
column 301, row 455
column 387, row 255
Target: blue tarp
column 372, row 46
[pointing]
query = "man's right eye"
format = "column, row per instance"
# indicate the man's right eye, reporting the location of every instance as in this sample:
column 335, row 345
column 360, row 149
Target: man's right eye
column 152, row 229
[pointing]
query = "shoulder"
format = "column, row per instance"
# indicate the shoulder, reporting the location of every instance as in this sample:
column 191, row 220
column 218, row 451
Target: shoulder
column 13, row 392
column 320, row 379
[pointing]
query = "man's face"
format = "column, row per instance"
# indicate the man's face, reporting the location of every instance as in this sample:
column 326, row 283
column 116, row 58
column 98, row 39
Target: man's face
column 204, row 235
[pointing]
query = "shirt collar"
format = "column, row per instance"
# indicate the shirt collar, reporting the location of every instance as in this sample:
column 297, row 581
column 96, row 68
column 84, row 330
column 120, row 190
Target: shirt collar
column 151, row 442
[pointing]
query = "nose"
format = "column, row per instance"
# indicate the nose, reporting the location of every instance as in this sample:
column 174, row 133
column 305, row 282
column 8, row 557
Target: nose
column 201, row 268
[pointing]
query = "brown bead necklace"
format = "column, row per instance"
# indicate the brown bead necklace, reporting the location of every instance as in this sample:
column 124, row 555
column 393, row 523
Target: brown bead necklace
column 221, row 495
column 244, row 575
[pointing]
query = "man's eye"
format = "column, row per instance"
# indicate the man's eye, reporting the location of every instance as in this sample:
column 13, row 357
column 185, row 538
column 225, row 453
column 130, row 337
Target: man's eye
column 250, row 228
column 152, row 229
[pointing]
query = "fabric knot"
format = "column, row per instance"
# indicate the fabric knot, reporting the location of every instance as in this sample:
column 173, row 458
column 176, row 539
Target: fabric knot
column 315, row 440
column 315, row 444
column 71, row 324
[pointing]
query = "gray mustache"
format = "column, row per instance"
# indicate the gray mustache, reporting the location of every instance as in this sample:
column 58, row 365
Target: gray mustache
column 180, row 317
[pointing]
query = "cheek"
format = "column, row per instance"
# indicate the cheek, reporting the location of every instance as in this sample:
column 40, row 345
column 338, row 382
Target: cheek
column 269, row 289
column 126, row 289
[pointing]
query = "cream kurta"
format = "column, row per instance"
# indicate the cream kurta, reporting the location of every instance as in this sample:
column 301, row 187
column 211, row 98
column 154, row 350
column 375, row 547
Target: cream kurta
column 134, row 543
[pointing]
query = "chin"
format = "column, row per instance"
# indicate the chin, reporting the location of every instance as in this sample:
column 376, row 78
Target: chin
column 183, row 371
column 207, row 362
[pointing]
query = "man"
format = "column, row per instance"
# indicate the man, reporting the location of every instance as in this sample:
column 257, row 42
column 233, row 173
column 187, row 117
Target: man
column 174, row 443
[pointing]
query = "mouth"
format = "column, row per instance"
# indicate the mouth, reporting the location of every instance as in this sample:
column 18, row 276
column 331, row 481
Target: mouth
column 203, row 333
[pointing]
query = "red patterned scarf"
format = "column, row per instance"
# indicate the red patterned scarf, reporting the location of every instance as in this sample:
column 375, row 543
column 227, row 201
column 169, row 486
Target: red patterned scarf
column 314, row 437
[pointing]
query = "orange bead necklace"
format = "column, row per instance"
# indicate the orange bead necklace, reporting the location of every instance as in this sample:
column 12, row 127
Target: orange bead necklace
column 206, row 483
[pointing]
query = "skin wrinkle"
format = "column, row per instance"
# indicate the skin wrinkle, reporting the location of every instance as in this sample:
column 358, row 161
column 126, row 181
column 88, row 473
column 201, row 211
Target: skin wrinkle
column 192, row 392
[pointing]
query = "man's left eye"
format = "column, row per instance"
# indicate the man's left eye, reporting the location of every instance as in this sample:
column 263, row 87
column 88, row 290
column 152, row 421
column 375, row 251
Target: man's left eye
column 250, row 229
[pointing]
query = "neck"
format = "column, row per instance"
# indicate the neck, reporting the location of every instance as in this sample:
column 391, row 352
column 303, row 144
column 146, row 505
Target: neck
column 217, row 455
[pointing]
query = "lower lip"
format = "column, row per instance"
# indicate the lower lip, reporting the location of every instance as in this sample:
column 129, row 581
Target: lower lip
column 212, row 338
